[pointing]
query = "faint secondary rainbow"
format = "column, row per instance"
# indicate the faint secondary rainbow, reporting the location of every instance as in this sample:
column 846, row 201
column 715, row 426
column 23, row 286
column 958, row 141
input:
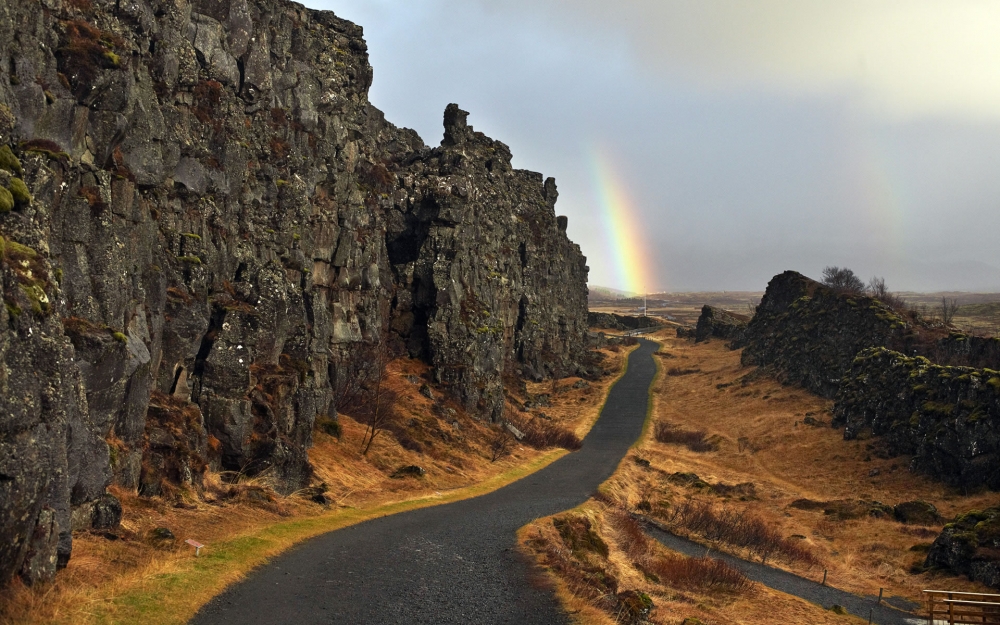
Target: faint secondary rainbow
column 629, row 252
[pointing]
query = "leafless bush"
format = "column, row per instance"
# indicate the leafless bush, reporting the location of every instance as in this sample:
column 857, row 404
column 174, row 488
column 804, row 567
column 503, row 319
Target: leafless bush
column 739, row 528
column 843, row 280
column 878, row 290
column 541, row 434
column 675, row 570
column 698, row 574
column 353, row 374
column 948, row 309
column 632, row 539
column 697, row 440
column 501, row 442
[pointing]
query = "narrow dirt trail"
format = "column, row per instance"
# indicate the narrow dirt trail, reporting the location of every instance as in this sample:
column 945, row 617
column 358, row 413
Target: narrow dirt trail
column 454, row 563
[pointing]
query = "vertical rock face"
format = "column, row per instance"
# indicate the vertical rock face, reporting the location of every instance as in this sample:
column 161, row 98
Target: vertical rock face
column 206, row 218
column 947, row 418
column 810, row 333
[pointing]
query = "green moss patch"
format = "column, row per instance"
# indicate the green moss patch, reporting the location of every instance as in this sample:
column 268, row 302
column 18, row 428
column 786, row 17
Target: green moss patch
column 10, row 162
column 6, row 200
column 20, row 193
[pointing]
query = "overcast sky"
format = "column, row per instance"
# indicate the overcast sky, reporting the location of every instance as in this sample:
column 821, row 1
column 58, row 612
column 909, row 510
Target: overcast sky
column 748, row 137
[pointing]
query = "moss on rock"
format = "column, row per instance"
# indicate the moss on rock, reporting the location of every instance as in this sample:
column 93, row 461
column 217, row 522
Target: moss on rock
column 20, row 193
column 6, row 200
column 10, row 162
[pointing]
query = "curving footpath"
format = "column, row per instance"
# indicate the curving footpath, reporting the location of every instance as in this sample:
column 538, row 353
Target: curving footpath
column 445, row 564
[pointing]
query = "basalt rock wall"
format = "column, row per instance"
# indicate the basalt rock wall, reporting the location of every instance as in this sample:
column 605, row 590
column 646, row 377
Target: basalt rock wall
column 946, row 418
column 810, row 334
column 207, row 218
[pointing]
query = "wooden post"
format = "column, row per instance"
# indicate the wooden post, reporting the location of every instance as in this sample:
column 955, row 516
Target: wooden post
column 879, row 596
column 824, row 577
column 871, row 613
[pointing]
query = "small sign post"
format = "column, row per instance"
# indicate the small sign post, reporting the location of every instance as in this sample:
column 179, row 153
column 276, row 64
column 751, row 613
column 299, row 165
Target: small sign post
column 197, row 546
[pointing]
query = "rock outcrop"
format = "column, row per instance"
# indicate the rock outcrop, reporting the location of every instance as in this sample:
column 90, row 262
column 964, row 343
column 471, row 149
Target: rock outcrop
column 206, row 218
column 970, row 546
column 878, row 366
column 946, row 418
column 722, row 324
column 810, row 333
column 614, row 321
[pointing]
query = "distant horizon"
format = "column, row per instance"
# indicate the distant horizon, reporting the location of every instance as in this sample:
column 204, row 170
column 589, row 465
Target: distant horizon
column 629, row 296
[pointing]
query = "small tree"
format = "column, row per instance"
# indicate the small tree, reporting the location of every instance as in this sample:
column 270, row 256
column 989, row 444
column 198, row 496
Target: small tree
column 501, row 442
column 843, row 279
column 380, row 408
column 948, row 309
column 878, row 290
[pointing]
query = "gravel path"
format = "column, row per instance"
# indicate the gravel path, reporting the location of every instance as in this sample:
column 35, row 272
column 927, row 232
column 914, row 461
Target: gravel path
column 446, row 564
column 801, row 587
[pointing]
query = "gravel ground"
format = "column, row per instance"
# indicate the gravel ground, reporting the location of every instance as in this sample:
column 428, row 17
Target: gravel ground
column 810, row 590
column 454, row 563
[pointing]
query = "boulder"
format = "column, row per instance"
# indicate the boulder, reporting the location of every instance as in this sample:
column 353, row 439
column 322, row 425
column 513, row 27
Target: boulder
column 916, row 513
column 718, row 323
column 970, row 546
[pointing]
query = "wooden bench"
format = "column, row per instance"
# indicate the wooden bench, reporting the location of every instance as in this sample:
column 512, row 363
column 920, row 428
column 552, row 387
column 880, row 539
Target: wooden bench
column 962, row 608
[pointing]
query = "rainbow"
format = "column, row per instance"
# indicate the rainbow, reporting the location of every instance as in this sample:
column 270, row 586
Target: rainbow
column 627, row 247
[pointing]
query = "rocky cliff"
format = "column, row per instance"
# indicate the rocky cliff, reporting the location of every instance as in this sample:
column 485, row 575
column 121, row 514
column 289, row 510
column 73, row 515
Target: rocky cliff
column 202, row 219
column 614, row 321
column 946, row 418
column 809, row 334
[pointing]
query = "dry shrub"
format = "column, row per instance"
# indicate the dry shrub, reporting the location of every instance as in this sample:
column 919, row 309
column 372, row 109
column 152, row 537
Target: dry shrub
column 739, row 528
column 631, row 537
column 585, row 579
column 577, row 532
column 542, row 434
column 676, row 371
column 703, row 574
column 501, row 443
column 696, row 440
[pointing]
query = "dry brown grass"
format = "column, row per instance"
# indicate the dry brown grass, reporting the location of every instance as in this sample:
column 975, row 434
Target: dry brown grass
column 773, row 457
column 589, row 584
column 135, row 578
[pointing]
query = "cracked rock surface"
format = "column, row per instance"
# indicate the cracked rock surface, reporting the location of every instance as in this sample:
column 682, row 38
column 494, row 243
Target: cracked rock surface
column 202, row 218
